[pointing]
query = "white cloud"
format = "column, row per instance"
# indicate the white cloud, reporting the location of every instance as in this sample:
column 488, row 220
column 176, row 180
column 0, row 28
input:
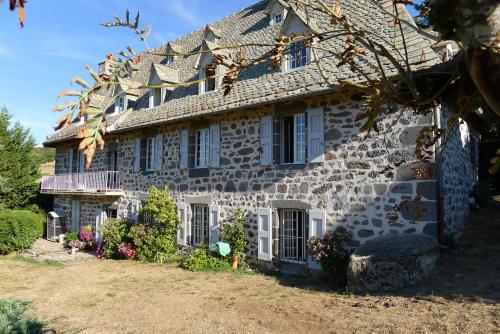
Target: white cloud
column 4, row 52
column 185, row 11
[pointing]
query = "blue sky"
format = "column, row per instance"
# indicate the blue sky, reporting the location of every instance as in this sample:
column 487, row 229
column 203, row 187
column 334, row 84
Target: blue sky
column 38, row 62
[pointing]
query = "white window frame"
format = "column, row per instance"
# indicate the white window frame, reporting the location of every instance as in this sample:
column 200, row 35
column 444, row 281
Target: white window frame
column 118, row 105
column 202, row 148
column 152, row 97
column 295, row 141
column 204, row 82
column 289, row 57
column 150, row 154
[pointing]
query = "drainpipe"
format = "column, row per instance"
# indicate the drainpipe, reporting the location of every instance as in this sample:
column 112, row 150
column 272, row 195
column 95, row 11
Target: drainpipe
column 439, row 178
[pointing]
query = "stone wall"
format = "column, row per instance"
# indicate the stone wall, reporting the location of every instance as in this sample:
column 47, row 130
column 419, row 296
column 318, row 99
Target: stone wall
column 459, row 169
column 348, row 185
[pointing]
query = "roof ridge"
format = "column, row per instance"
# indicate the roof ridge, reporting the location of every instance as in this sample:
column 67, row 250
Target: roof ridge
column 202, row 29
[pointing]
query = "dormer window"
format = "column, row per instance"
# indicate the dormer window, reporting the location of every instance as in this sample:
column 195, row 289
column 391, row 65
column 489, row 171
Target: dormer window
column 156, row 97
column 277, row 11
column 170, row 59
column 297, row 57
column 278, row 18
column 208, row 84
column 120, row 104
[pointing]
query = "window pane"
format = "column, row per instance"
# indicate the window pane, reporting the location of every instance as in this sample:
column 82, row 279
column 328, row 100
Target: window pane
column 202, row 147
column 298, row 55
column 300, row 138
column 287, row 140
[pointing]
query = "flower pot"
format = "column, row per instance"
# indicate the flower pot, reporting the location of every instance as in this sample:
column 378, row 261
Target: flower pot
column 73, row 250
column 234, row 262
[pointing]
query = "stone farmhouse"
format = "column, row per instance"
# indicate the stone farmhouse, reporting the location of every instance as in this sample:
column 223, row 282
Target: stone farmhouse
column 283, row 145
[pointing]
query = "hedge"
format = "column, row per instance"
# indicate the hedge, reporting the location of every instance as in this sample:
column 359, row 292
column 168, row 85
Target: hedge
column 19, row 229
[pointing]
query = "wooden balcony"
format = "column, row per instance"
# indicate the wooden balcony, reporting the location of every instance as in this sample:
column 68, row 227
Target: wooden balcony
column 99, row 183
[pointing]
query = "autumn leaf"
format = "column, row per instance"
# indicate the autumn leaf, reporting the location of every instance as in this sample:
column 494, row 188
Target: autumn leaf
column 61, row 122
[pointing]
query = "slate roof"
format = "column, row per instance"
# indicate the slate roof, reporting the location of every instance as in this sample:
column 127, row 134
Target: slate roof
column 258, row 85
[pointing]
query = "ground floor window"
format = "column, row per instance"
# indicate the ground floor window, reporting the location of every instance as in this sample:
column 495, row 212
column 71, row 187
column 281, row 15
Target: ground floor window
column 293, row 235
column 200, row 225
column 111, row 213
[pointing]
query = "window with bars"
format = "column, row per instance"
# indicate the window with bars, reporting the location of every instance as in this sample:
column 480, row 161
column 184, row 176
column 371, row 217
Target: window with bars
column 202, row 148
column 293, row 235
column 200, row 226
column 293, row 139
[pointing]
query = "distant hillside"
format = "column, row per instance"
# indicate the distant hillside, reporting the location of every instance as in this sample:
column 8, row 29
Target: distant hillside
column 46, row 154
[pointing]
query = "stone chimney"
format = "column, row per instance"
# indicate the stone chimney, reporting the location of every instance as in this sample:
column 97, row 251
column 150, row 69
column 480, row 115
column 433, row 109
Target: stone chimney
column 105, row 66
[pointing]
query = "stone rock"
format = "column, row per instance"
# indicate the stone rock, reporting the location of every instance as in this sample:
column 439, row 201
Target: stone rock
column 333, row 134
column 392, row 262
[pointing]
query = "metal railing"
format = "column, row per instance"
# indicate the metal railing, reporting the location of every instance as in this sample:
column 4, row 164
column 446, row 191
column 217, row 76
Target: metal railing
column 83, row 182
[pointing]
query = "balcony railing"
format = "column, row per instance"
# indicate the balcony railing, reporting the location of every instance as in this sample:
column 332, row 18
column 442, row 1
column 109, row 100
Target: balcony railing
column 99, row 182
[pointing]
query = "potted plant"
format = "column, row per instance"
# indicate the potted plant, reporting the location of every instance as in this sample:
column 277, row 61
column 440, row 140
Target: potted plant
column 234, row 235
column 75, row 246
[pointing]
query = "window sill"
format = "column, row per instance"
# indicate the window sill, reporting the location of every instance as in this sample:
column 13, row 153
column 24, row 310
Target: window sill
column 291, row 166
column 291, row 70
column 199, row 172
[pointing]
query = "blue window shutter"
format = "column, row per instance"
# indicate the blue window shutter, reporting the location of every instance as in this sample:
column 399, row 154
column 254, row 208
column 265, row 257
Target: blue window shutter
column 315, row 125
column 159, row 152
column 266, row 140
column 184, row 146
column 137, row 154
column 215, row 145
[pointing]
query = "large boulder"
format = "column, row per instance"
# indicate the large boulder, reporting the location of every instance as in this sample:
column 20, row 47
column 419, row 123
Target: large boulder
column 391, row 262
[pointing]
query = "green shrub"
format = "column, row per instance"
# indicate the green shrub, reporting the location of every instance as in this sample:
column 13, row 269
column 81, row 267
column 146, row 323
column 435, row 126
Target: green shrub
column 70, row 236
column 234, row 234
column 13, row 320
column 200, row 260
column 19, row 229
column 153, row 242
column 114, row 232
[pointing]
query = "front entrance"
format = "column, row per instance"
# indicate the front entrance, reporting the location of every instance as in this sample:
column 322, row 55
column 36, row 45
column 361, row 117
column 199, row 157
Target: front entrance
column 293, row 236
column 200, row 225
column 75, row 215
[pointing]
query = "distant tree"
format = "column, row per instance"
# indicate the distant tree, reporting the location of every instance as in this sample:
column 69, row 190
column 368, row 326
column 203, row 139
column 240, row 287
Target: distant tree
column 19, row 164
column 46, row 154
column 422, row 20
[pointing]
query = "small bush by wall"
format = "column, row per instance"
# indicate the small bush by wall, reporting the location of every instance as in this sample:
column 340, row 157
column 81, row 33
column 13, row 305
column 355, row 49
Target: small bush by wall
column 19, row 229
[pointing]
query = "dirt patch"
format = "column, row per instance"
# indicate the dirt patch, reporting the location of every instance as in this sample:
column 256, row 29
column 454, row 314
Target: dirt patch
column 462, row 296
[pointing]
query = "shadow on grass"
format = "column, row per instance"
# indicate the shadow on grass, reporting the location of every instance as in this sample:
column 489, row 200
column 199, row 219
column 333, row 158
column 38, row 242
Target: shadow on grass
column 469, row 272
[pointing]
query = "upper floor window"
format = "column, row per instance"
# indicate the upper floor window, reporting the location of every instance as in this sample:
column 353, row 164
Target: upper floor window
column 155, row 97
column 298, row 56
column 120, row 104
column 293, row 137
column 202, row 148
column 170, row 59
column 150, row 154
column 209, row 82
column 278, row 18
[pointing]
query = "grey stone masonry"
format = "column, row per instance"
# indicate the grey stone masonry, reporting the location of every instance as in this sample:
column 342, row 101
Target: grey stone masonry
column 348, row 185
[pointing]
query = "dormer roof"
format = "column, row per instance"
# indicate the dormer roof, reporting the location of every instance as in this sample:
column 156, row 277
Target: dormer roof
column 308, row 23
column 209, row 46
column 211, row 29
column 283, row 3
column 165, row 74
column 174, row 49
